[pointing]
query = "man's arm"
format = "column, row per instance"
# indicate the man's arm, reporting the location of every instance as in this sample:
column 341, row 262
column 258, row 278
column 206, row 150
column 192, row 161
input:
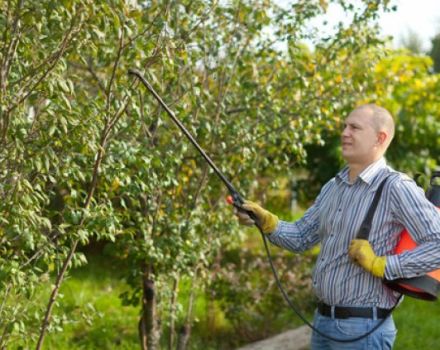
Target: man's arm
column 302, row 234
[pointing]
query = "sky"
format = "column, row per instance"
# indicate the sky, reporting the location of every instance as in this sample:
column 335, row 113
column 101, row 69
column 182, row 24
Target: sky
column 419, row 16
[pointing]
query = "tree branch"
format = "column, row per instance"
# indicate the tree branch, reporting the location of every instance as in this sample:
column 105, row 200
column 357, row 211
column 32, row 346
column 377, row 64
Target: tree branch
column 52, row 60
column 99, row 157
column 10, row 49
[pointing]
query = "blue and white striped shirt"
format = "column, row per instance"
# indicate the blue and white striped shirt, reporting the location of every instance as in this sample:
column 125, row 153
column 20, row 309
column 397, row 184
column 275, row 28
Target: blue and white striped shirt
column 334, row 220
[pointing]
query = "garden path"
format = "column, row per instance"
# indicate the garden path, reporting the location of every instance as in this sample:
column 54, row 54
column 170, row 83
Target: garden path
column 296, row 339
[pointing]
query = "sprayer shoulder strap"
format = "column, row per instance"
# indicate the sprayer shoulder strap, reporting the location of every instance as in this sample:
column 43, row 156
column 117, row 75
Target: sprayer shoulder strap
column 364, row 230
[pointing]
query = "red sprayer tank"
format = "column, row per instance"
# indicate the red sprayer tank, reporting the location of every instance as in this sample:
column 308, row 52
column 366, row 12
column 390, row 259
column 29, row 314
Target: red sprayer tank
column 423, row 287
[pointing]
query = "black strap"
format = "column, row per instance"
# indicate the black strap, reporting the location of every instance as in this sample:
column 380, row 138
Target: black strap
column 364, row 230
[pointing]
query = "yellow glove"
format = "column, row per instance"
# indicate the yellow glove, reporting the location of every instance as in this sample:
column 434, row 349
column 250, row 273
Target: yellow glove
column 267, row 221
column 360, row 252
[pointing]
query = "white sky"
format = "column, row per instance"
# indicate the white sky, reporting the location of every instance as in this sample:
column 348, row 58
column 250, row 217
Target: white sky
column 419, row 16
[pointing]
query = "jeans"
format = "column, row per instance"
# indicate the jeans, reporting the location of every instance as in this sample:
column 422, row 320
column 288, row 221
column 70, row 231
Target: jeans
column 381, row 338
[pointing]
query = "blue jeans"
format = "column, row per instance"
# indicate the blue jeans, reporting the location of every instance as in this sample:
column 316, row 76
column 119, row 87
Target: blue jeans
column 381, row 338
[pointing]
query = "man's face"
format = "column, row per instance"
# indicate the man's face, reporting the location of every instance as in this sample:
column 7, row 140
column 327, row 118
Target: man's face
column 359, row 138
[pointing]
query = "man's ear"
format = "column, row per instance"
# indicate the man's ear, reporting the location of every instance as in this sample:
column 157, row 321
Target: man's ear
column 382, row 137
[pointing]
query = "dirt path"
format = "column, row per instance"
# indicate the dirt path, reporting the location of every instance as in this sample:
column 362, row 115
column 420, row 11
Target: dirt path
column 296, row 339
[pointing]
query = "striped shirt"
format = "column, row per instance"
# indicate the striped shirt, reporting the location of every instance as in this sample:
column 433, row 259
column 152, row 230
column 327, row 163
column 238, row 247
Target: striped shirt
column 334, row 220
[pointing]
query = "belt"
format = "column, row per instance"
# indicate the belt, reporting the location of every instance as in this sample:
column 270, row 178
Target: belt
column 346, row 312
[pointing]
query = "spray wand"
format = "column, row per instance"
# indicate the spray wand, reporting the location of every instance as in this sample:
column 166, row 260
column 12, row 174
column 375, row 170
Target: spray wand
column 234, row 198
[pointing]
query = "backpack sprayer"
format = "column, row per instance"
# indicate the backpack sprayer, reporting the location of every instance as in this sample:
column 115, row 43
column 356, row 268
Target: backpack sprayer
column 424, row 287
column 406, row 286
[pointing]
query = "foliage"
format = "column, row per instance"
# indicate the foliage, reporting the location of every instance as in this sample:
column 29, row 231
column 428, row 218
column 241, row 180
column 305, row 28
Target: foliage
column 250, row 298
column 404, row 85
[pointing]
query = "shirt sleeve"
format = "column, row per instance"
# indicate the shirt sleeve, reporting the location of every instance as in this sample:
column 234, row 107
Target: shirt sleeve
column 302, row 234
column 422, row 220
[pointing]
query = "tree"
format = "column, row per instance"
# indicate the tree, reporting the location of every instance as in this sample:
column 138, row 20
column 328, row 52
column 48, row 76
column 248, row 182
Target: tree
column 435, row 52
column 412, row 41
column 405, row 86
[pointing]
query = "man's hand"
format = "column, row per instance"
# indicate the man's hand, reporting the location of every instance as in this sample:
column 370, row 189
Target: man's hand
column 267, row 221
column 360, row 252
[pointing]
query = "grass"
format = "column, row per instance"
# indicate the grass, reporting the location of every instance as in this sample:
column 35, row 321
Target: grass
column 100, row 321
column 417, row 322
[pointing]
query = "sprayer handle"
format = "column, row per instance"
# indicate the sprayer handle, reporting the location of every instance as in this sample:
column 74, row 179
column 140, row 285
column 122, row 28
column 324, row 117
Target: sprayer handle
column 238, row 204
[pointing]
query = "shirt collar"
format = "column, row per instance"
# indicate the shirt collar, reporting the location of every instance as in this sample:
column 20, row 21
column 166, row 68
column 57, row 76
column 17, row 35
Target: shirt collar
column 367, row 175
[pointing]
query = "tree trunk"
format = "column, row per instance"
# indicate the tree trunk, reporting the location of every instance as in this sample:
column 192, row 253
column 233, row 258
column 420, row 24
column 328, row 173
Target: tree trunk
column 184, row 334
column 148, row 324
column 211, row 315
column 185, row 330
column 142, row 335
column 173, row 312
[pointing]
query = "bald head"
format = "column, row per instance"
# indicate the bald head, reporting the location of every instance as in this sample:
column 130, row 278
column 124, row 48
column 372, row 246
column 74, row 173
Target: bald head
column 368, row 131
column 381, row 119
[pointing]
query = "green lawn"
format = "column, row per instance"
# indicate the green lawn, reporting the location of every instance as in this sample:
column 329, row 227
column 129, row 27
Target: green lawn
column 91, row 296
column 418, row 323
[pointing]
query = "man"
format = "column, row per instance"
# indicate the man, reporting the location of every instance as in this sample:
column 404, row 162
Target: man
column 347, row 278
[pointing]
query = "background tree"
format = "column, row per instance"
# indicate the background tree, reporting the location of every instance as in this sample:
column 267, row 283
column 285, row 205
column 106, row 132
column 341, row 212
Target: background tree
column 435, row 52
column 412, row 41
